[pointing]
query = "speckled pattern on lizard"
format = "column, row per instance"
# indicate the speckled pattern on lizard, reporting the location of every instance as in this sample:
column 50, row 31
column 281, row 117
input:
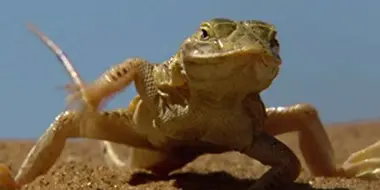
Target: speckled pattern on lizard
column 204, row 99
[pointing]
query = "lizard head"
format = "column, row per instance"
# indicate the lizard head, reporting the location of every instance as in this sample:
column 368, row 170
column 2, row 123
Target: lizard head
column 226, row 50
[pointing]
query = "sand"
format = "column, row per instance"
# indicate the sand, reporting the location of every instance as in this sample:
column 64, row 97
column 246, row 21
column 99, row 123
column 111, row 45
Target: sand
column 82, row 167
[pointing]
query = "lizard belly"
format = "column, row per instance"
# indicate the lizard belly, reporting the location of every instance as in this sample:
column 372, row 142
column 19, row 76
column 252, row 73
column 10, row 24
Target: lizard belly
column 143, row 120
column 230, row 128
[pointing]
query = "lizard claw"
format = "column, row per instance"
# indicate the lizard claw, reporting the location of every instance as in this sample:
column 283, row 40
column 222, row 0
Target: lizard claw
column 7, row 181
column 88, row 96
column 364, row 164
column 370, row 174
column 79, row 95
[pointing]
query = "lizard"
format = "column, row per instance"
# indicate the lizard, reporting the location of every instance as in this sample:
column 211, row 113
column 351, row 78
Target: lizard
column 194, row 103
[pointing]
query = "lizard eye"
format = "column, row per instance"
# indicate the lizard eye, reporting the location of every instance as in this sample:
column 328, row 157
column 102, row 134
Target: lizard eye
column 204, row 34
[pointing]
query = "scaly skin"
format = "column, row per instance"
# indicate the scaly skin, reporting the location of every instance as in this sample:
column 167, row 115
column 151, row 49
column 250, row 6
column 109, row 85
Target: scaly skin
column 197, row 102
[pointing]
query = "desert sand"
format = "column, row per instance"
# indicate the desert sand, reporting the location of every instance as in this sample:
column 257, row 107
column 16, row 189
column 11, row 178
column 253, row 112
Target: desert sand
column 82, row 167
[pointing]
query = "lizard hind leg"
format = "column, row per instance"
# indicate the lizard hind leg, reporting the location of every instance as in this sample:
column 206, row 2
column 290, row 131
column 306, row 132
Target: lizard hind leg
column 316, row 146
column 114, row 126
column 364, row 163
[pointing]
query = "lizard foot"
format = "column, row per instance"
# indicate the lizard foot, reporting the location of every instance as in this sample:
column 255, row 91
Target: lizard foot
column 364, row 163
column 7, row 181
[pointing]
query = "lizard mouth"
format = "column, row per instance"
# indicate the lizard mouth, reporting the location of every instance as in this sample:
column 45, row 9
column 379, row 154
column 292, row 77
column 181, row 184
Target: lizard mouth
column 202, row 56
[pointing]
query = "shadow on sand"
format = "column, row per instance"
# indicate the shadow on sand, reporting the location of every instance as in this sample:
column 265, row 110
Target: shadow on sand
column 210, row 181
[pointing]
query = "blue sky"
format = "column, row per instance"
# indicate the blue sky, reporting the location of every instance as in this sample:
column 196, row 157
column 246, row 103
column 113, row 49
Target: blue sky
column 330, row 50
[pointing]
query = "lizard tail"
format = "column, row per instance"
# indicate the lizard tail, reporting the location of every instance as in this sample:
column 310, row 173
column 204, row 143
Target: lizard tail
column 111, row 156
column 67, row 64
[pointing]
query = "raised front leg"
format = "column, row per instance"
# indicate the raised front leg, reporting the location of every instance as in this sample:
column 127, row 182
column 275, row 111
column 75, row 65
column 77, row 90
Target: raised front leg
column 113, row 81
column 115, row 126
column 313, row 140
column 285, row 166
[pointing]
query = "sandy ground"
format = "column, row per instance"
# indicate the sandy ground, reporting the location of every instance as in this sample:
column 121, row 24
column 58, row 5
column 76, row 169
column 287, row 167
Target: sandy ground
column 82, row 167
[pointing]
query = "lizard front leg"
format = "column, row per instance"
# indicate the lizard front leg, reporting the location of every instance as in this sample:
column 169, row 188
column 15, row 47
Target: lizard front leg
column 285, row 166
column 116, row 79
column 113, row 81
column 119, row 77
column 148, row 79
column 115, row 126
column 313, row 140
